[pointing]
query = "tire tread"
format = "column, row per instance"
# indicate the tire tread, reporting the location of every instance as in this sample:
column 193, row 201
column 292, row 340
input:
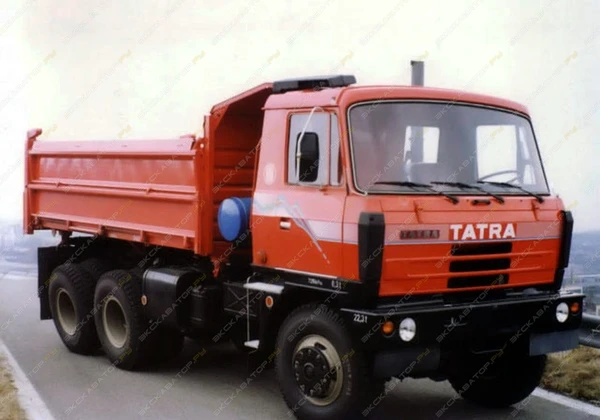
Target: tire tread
column 84, row 284
column 369, row 388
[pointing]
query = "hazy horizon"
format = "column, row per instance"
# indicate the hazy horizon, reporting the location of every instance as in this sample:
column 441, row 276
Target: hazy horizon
column 107, row 69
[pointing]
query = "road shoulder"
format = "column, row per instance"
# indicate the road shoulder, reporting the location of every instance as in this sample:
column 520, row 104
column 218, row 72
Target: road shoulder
column 568, row 402
column 28, row 397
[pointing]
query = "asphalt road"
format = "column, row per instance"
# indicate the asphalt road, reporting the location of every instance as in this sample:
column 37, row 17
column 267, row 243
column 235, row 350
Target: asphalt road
column 80, row 387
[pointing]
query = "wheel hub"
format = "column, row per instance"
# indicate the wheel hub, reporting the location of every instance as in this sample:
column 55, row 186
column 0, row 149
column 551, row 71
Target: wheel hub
column 314, row 375
column 67, row 315
column 115, row 322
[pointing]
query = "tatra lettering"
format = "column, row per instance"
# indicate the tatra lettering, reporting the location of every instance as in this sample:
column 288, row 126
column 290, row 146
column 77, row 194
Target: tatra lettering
column 465, row 232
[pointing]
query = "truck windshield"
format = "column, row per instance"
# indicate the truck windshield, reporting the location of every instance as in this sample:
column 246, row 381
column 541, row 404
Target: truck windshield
column 448, row 145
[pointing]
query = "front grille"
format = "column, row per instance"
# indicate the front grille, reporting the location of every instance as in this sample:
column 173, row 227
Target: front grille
column 481, row 249
column 477, row 281
column 471, row 266
column 479, row 265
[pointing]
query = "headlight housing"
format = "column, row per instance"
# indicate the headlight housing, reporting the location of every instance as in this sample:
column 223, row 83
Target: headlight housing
column 407, row 329
column 562, row 312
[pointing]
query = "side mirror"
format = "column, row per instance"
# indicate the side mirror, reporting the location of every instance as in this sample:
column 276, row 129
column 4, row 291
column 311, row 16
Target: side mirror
column 307, row 157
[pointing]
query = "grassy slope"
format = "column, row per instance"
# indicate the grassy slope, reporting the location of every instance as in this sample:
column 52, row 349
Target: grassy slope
column 575, row 373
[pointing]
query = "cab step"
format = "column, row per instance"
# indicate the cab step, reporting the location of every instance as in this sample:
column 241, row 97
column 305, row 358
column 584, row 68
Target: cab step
column 252, row 344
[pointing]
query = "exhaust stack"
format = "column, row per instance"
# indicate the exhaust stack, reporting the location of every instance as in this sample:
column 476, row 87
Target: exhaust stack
column 418, row 73
column 417, row 79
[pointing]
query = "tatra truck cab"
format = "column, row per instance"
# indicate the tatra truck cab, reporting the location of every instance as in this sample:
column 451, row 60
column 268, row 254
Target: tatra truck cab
column 349, row 234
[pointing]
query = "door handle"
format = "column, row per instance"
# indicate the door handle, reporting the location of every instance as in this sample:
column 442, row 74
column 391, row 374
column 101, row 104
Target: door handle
column 284, row 223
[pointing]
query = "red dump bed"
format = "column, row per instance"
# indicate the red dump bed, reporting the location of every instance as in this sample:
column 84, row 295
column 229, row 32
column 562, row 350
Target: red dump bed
column 159, row 192
column 147, row 191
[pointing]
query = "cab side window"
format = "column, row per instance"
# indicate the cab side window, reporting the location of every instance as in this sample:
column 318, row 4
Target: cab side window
column 308, row 142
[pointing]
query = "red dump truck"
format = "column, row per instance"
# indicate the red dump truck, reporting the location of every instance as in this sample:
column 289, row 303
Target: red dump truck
column 352, row 234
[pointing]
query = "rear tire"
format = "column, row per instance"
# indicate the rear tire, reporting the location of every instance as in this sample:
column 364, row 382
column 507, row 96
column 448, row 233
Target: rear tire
column 505, row 381
column 321, row 371
column 71, row 295
column 120, row 321
column 95, row 267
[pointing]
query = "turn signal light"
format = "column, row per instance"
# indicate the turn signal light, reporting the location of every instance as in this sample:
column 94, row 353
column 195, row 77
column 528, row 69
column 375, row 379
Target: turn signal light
column 388, row 327
column 574, row 307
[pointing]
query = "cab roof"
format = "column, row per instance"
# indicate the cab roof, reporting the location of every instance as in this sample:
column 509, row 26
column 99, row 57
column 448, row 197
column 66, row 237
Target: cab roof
column 346, row 96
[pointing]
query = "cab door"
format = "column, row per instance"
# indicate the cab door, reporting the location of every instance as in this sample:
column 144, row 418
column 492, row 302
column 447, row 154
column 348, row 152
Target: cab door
column 301, row 207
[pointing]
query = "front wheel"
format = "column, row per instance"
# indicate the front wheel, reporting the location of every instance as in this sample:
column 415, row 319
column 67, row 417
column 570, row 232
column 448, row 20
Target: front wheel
column 321, row 371
column 499, row 381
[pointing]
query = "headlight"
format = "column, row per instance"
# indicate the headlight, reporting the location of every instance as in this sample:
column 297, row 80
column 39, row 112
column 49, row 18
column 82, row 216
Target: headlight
column 408, row 329
column 562, row 312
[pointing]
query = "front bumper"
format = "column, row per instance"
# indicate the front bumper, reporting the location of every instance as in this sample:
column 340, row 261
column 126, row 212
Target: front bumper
column 525, row 321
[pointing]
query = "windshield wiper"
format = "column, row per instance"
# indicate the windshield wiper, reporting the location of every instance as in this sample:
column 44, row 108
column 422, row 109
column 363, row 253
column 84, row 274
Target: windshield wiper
column 416, row 185
column 509, row 185
column 472, row 187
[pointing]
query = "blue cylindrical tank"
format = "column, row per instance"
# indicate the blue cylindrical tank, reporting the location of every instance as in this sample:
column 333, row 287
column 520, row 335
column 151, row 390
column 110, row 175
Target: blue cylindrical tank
column 234, row 217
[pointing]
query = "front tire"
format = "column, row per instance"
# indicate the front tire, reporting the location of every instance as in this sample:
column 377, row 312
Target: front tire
column 321, row 371
column 499, row 383
column 71, row 295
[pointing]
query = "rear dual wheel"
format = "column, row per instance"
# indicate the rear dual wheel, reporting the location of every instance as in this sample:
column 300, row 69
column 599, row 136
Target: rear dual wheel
column 126, row 335
column 71, row 296
column 93, row 308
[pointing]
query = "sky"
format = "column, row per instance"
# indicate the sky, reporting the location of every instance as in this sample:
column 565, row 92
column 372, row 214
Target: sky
column 132, row 69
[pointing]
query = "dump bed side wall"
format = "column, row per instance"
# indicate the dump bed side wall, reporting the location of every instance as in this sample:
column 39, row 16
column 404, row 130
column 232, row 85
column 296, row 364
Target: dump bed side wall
column 142, row 191
column 234, row 128
column 235, row 149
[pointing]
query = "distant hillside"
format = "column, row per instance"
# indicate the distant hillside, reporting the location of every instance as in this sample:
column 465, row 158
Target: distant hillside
column 585, row 254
